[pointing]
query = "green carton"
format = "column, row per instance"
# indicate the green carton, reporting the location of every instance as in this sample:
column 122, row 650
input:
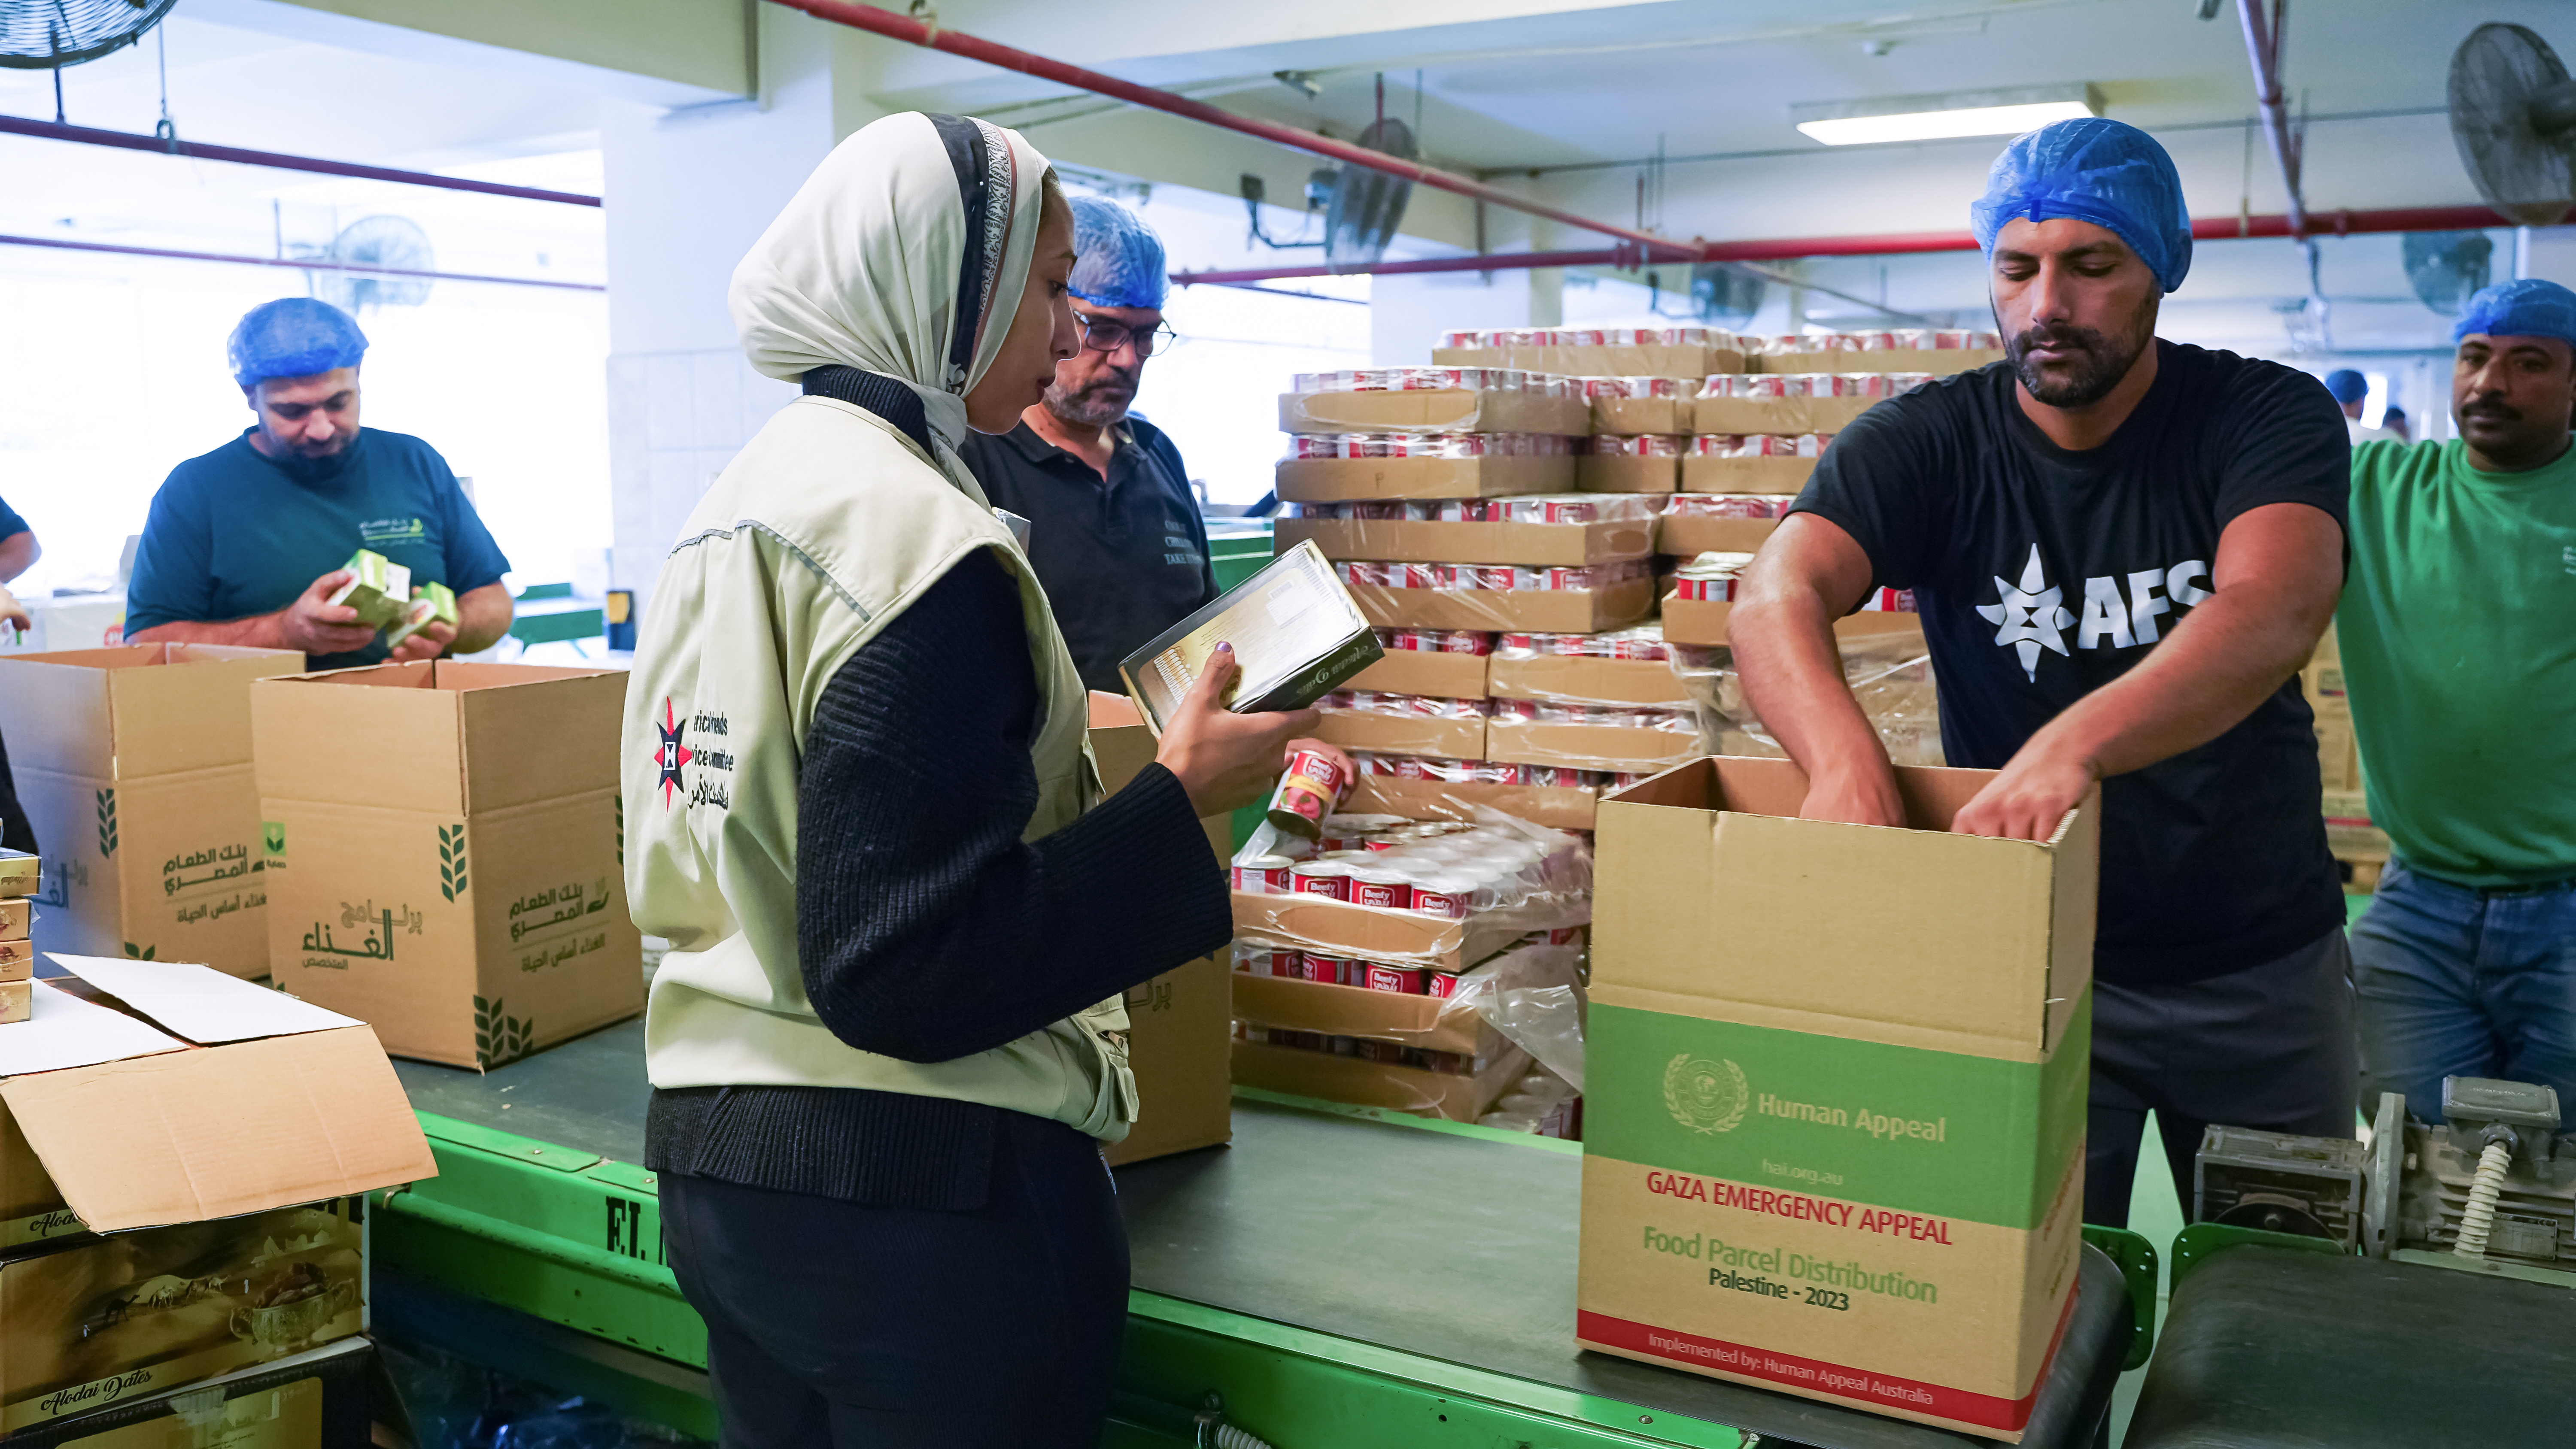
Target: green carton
column 431, row 603
column 378, row 588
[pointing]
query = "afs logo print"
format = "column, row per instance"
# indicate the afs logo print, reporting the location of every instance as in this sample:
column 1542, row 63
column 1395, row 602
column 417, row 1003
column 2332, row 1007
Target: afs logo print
column 1706, row 1096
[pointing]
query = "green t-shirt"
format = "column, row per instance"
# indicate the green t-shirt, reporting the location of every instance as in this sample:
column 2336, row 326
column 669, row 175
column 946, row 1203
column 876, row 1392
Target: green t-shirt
column 2458, row 633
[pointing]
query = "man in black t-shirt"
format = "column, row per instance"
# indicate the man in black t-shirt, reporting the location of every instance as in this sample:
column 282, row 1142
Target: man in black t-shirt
column 2123, row 550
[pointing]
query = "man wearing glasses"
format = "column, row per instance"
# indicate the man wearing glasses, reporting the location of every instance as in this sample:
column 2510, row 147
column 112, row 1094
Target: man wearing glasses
column 1114, row 529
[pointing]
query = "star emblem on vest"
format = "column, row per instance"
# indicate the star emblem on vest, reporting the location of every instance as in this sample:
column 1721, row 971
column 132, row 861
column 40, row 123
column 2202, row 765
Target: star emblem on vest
column 671, row 755
column 2031, row 617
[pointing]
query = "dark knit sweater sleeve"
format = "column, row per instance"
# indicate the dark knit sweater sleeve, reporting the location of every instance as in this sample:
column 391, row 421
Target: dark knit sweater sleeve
column 925, row 929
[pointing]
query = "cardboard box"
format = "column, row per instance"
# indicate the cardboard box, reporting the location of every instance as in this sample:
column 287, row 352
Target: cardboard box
column 1619, row 473
column 1445, row 410
column 99, row 1320
column 1561, row 809
column 1425, row 671
column 134, row 765
column 1390, row 734
column 205, row 1097
column 1785, row 415
column 1401, row 937
column 1179, row 1023
column 445, row 849
column 1703, row 622
column 1631, row 415
column 1940, row 362
column 1849, row 1165
column 1745, row 475
column 1695, row 360
column 1332, row 1078
column 1565, row 545
column 1574, row 679
column 1687, row 535
column 1547, row 611
column 312, row 1400
column 1587, row 746
column 1341, row 480
column 1295, row 632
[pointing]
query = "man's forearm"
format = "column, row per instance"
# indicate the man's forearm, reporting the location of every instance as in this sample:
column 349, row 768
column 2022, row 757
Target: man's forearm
column 482, row 617
column 1793, row 677
column 259, row 631
column 18, row 553
column 2208, row 674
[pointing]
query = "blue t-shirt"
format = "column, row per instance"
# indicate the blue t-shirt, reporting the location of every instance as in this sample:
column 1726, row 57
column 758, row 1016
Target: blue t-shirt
column 11, row 525
column 231, row 534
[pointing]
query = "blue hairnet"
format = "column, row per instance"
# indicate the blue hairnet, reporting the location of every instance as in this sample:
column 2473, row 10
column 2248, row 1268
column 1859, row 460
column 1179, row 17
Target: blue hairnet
column 2347, row 385
column 2105, row 172
column 1118, row 261
column 2528, row 308
column 293, row 337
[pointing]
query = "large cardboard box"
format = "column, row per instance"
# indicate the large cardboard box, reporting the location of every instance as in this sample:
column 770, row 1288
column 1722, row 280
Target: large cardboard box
column 1409, row 541
column 1344, row 480
column 1834, row 1117
column 1578, row 679
column 446, row 852
column 1425, row 671
column 1546, row 611
column 134, row 765
column 1179, row 1023
column 206, row 1096
column 1428, row 410
column 1701, row 474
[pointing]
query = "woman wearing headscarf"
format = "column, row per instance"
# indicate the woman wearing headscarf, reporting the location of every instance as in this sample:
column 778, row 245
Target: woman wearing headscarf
column 888, row 1037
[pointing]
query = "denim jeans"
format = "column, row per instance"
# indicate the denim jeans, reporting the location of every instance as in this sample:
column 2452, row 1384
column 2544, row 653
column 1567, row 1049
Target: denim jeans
column 2457, row 982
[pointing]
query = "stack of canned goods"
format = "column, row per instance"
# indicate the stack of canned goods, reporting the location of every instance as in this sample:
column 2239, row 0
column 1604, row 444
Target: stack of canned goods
column 1494, row 772
column 1491, row 577
column 1670, row 719
column 1811, row 384
column 1573, row 508
column 1635, row 445
column 1644, row 641
column 1426, row 445
column 1437, row 641
column 1430, row 868
column 1290, row 964
column 1595, row 337
column 1760, row 445
column 1672, row 387
column 1895, row 339
column 1387, row 1053
column 1434, row 379
column 1729, row 505
column 1710, row 577
column 1408, row 706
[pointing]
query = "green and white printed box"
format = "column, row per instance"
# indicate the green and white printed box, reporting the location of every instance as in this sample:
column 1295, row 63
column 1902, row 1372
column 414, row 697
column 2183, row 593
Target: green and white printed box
column 431, row 603
column 1834, row 1116
column 378, row 588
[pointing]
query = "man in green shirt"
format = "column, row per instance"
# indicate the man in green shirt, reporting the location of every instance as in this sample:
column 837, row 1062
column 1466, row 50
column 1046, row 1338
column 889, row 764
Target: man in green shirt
column 2458, row 633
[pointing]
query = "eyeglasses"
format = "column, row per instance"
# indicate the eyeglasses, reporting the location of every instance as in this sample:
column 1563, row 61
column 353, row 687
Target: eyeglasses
column 1100, row 334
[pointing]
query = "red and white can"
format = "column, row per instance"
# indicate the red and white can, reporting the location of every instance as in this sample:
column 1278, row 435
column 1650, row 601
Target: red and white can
column 1330, row 879
column 1262, row 961
column 1442, row 985
column 1375, row 885
column 1405, row 981
column 1314, row 784
column 1449, row 897
column 1264, row 875
column 1457, row 641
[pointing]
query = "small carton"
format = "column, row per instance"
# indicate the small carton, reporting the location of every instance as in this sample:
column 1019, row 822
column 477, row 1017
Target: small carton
column 378, row 588
column 1565, row 545
column 1689, row 535
column 206, row 1096
column 1426, row 671
column 1350, row 480
column 1580, row 679
column 134, row 766
column 1434, row 410
column 431, row 603
column 1704, row 474
column 1296, row 633
column 20, row 874
column 1356, row 730
column 1849, row 1164
column 1623, row 473
column 445, row 849
column 1178, row 1023
column 1546, row 611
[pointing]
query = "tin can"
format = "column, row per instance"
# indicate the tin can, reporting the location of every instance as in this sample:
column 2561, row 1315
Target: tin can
column 1384, row 1053
column 1327, row 878
column 1380, row 886
column 1313, row 785
column 1447, row 896
column 1441, row 986
column 1328, row 969
column 1404, row 981
column 1263, row 875
column 1457, row 641
column 1263, row 961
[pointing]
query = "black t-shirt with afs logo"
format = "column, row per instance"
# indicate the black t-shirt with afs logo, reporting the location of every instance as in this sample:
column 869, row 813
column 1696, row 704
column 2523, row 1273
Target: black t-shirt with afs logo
column 2044, row 574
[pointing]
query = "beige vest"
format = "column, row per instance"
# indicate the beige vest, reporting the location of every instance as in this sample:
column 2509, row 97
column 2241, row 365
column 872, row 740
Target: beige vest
column 827, row 526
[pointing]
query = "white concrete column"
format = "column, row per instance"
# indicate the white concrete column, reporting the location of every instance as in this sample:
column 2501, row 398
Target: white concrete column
column 689, row 191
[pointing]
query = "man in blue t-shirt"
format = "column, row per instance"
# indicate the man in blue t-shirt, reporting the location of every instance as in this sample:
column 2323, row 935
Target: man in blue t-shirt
column 245, row 545
column 2123, row 550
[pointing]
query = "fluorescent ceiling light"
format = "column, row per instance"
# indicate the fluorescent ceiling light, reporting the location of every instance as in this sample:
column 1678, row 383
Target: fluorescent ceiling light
column 1931, row 118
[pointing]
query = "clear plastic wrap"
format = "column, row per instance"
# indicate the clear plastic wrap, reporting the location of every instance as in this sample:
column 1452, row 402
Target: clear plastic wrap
column 1639, row 387
column 1636, row 445
column 1542, row 1104
column 1594, row 337
column 1645, row 641
column 1901, row 339
column 1729, row 505
column 1425, row 445
column 1889, row 674
column 1760, row 445
column 1434, row 379
column 1497, row 873
column 1404, row 706
column 1437, row 641
column 1547, row 508
column 1493, row 578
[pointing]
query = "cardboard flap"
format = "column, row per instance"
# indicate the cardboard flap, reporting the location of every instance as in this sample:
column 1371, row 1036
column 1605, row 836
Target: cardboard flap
column 215, row 1133
column 193, row 713
column 200, row 1003
column 535, row 733
column 64, row 1031
column 380, row 736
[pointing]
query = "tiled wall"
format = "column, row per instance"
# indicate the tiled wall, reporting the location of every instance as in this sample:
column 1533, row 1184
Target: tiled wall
column 675, row 419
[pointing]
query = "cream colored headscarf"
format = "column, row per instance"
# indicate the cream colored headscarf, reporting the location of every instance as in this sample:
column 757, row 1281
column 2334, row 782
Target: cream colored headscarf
column 904, row 254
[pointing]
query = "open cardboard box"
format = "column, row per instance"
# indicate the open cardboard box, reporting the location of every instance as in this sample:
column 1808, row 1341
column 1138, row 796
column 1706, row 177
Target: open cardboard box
column 1429, row 410
column 1703, row 622
column 1546, row 611
column 1425, row 541
column 204, row 1097
column 1577, row 679
column 134, row 766
column 1880, row 1099
column 1178, row 1022
column 1353, row 480
column 1425, row 671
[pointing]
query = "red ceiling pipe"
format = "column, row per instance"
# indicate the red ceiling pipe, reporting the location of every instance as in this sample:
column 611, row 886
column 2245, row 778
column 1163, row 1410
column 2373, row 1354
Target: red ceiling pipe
column 128, row 141
column 2340, row 223
column 914, row 32
column 66, row 244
